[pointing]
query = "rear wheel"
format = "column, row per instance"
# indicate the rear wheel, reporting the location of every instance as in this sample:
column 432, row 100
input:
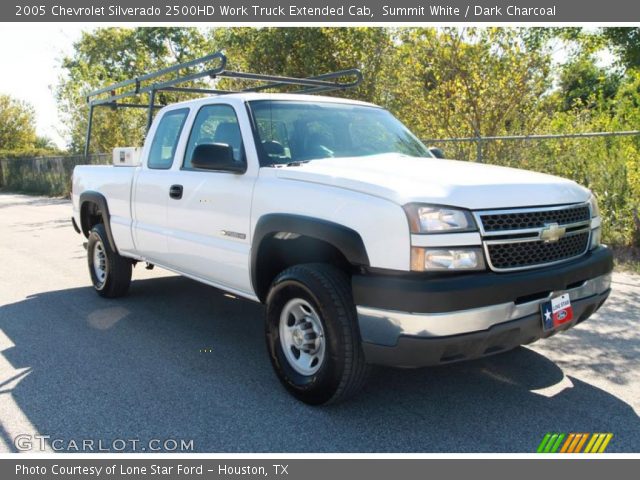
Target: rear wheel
column 110, row 272
column 312, row 334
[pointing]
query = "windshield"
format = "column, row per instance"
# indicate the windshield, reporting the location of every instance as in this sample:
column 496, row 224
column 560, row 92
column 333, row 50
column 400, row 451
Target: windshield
column 292, row 131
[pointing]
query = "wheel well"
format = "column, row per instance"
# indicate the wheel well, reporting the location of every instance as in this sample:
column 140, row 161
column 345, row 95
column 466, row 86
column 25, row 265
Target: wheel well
column 90, row 216
column 283, row 250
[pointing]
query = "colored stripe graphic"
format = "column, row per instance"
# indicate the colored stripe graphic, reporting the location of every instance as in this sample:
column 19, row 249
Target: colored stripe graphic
column 567, row 442
column 550, row 443
column 578, row 442
column 606, row 442
column 582, row 442
column 543, row 443
column 594, row 437
column 556, row 445
column 574, row 442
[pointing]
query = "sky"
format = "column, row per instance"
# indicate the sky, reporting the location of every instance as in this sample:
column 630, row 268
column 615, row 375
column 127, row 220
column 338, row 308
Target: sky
column 30, row 62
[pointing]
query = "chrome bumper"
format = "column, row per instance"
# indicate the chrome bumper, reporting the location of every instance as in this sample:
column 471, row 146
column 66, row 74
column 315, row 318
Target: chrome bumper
column 384, row 327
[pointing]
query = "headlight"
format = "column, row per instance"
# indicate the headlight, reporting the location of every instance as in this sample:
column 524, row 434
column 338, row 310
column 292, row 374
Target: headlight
column 593, row 201
column 434, row 219
column 435, row 259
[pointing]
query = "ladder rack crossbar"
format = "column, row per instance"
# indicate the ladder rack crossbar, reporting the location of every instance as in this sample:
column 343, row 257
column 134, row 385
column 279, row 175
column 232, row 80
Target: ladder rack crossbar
column 213, row 66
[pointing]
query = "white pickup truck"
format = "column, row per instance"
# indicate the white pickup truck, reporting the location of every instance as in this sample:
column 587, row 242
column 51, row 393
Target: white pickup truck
column 365, row 248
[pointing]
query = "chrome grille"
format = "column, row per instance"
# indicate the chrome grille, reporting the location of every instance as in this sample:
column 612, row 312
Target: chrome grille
column 515, row 239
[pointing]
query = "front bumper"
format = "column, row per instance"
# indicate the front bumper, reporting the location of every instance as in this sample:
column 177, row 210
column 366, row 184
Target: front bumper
column 453, row 318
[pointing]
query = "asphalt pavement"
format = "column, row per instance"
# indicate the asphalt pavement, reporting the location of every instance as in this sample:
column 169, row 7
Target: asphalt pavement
column 180, row 361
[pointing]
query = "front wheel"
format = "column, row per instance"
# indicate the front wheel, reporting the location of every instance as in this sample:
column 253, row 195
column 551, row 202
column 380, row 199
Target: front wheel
column 110, row 272
column 312, row 334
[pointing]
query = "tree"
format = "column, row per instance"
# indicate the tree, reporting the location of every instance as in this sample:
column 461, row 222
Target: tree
column 44, row 143
column 583, row 83
column 110, row 55
column 17, row 124
column 468, row 82
column 626, row 42
column 303, row 52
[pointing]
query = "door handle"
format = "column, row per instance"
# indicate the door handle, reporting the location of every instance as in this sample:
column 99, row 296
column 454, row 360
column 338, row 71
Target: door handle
column 175, row 192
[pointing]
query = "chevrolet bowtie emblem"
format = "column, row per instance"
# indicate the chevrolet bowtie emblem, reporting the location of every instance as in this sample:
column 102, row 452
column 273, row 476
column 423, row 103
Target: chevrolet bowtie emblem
column 552, row 232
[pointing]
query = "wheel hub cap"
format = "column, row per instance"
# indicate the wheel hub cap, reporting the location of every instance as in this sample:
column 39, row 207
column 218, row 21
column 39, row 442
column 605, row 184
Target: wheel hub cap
column 298, row 337
column 100, row 262
column 302, row 336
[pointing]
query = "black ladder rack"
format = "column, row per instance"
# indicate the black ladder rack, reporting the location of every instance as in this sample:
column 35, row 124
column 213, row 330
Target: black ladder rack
column 211, row 66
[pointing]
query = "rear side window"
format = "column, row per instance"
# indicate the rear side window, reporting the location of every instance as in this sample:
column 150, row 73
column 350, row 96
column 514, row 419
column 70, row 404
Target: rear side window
column 165, row 141
column 215, row 124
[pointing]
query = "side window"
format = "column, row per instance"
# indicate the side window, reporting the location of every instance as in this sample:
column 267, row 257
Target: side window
column 215, row 124
column 165, row 141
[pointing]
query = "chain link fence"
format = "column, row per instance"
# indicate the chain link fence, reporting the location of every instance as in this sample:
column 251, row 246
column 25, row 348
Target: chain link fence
column 485, row 145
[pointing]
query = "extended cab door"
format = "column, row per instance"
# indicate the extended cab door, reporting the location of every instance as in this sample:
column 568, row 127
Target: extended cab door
column 152, row 187
column 208, row 227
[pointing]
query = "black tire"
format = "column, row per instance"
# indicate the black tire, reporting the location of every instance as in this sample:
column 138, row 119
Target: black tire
column 117, row 269
column 343, row 370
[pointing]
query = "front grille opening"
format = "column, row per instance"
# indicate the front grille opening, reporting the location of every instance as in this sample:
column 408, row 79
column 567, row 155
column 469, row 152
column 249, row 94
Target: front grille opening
column 452, row 358
column 532, row 297
column 494, row 349
column 505, row 256
column 576, row 284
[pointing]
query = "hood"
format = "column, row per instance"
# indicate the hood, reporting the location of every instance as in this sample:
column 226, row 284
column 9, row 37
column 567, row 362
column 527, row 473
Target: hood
column 404, row 179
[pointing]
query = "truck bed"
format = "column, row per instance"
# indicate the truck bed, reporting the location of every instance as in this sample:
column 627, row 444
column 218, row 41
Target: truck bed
column 115, row 183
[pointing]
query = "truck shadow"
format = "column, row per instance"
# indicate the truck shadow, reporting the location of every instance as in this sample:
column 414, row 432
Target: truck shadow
column 180, row 360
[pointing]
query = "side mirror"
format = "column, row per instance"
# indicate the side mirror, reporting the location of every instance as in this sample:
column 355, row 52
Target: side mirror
column 437, row 152
column 216, row 156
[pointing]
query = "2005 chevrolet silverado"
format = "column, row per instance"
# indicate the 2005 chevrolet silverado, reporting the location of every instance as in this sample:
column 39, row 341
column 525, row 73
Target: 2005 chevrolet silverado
column 364, row 248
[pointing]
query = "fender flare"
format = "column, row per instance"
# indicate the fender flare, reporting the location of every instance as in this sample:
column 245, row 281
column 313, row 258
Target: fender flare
column 99, row 199
column 346, row 240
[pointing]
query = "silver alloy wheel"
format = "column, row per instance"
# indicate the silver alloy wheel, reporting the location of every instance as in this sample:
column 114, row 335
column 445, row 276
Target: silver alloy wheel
column 302, row 336
column 100, row 263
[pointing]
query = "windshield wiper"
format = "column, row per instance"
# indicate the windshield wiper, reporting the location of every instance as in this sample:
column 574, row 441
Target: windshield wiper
column 296, row 163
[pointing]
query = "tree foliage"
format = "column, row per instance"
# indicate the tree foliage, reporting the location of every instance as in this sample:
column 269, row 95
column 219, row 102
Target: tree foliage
column 626, row 41
column 311, row 51
column 110, row 55
column 17, row 124
column 457, row 83
column 584, row 84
